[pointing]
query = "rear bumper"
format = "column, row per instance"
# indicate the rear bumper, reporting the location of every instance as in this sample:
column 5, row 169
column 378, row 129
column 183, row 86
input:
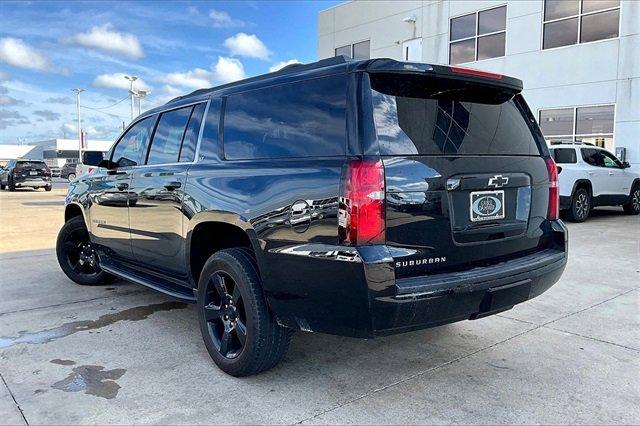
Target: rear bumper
column 353, row 291
column 444, row 298
column 35, row 181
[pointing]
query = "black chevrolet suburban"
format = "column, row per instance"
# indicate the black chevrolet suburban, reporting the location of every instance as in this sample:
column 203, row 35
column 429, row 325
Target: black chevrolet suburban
column 357, row 198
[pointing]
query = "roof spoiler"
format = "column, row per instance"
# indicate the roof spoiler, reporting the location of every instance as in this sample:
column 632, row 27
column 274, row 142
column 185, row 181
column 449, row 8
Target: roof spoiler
column 451, row 72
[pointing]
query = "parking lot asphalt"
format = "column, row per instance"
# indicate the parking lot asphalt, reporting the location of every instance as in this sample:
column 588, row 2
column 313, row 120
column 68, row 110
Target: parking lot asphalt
column 125, row 354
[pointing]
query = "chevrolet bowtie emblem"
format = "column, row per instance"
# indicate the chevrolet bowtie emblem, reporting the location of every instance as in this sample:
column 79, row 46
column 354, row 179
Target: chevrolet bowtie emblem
column 498, row 181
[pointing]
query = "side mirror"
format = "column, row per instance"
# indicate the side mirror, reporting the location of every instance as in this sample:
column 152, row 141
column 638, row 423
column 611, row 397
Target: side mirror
column 92, row 158
column 625, row 165
column 559, row 169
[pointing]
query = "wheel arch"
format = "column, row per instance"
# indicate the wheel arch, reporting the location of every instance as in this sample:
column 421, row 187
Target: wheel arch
column 72, row 210
column 230, row 230
column 582, row 183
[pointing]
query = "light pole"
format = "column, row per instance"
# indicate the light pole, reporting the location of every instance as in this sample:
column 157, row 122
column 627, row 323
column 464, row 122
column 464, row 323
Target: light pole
column 77, row 92
column 141, row 94
column 131, row 79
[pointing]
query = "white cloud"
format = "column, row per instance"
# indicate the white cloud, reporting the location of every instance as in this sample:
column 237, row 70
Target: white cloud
column 196, row 79
column 4, row 76
column 223, row 71
column 117, row 81
column 104, row 38
column 222, row 19
column 280, row 65
column 248, row 45
column 17, row 53
column 228, row 69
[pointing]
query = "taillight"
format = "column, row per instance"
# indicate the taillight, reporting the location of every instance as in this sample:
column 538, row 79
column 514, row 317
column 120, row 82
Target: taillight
column 554, row 192
column 17, row 170
column 477, row 73
column 362, row 218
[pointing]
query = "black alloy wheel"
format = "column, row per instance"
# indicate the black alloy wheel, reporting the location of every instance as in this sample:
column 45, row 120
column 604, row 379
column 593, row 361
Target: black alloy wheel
column 580, row 206
column 225, row 314
column 240, row 333
column 633, row 205
column 77, row 256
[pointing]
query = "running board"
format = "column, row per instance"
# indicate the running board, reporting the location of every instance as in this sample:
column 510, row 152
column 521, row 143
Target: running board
column 165, row 287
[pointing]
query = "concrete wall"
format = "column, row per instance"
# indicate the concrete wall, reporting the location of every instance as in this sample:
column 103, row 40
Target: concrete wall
column 601, row 72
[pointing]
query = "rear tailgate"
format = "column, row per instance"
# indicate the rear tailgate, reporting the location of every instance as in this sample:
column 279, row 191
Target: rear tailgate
column 466, row 182
column 33, row 169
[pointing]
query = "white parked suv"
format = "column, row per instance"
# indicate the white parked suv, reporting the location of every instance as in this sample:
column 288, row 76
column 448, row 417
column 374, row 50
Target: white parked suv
column 591, row 176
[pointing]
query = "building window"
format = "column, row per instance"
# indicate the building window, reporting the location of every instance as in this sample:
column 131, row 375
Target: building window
column 592, row 124
column 477, row 36
column 568, row 22
column 360, row 50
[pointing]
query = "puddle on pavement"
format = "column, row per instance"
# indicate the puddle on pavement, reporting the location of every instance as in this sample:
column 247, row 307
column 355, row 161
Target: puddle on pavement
column 62, row 361
column 93, row 380
column 132, row 314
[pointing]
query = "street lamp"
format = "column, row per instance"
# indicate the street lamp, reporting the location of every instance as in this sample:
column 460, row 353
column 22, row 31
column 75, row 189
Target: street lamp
column 131, row 79
column 141, row 94
column 77, row 92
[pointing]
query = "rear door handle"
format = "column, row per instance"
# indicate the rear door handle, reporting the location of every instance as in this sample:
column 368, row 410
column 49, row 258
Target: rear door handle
column 589, row 173
column 172, row 185
column 610, row 173
column 122, row 186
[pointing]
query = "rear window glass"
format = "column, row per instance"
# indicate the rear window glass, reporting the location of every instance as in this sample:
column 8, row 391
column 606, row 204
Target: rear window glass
column 564, row 155
column 34, row 164
column 301, row 119
column 167, row 139
column 419, row 116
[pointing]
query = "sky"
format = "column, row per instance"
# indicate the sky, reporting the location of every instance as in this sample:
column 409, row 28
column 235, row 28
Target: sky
column 49, row 48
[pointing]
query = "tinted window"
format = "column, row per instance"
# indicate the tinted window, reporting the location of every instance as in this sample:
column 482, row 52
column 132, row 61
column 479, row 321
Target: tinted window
column 555, row 9
column 463, row 27
column 593, row 157
column 491, row 46
column 132, row 147
column 556, row 121
column 362, row 50
column 610, row 160
column 413, row 116
column 31, row 164
column 188, row 151
column 594, row 120
column 564, row 155
column 599, row 26
column 344, row 50
column 302, row 119
column 167, row 139
column 462, row 51
column 492, row 20
column 560, row 33
column 209, row 143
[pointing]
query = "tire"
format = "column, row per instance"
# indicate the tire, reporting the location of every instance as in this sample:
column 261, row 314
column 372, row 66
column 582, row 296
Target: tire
column 632, row 206
column 580, row 206
column 47, row 188
column 232, row 275
column 76, row 255
column 11, row 184
column 71, row 177
column 2, row 186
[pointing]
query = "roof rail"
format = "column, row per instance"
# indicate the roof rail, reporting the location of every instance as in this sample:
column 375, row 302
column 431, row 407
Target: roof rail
column 323, row 63
column 571, row 143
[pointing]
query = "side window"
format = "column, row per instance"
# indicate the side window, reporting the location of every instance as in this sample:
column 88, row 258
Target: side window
column 188, row 151
column 301, row 119
column 610, row 160
column 132, row 147
column 592, row 157
column 564, row 155
column 209, row 143
column 165, row 147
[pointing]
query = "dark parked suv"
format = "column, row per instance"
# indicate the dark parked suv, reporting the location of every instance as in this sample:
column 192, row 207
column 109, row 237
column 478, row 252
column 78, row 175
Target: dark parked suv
column 25, row 173
column 357, row 198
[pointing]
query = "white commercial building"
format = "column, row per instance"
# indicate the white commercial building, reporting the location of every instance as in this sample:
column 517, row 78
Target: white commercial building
column 579, row 60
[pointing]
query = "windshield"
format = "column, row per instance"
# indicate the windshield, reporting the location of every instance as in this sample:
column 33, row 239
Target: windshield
column 420, row 116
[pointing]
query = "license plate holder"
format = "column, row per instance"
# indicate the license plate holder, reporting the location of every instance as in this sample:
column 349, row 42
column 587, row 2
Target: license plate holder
column 486, row 205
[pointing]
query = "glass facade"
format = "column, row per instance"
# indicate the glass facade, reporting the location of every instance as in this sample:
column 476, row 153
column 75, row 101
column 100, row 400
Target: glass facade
column 591, row 124
column 568, row 22
column 479, row 35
